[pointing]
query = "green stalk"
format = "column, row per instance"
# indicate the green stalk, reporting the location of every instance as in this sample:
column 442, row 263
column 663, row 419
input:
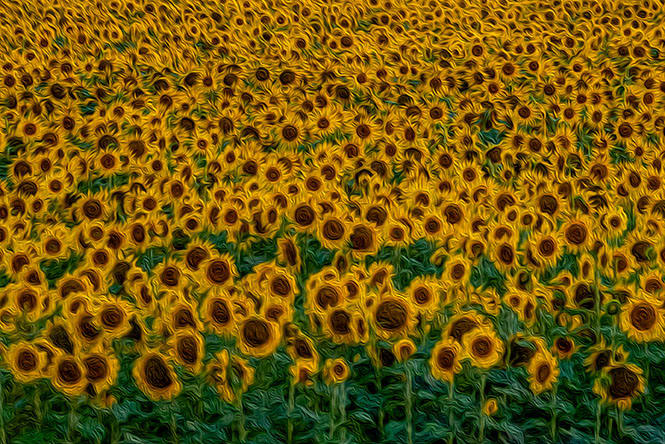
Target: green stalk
column 451, row 413
column 70, row 421
column 597, row 298
column 342, row 410
column 553, row 422
column 242, row 433
column 481, row 432
column 597, row 436
column 291, row 407
column 333, row 398
column 173, row 425
column 408, row 395
column 3, row 438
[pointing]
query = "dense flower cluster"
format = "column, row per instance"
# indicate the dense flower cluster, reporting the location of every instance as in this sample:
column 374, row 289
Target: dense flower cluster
column 202, row 187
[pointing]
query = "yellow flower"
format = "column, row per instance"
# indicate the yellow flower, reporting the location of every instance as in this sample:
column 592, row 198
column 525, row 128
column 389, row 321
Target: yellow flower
column 490, row 407
column 483, row 347
column 445, row 359
column 258, row 337
column 642, row 319
column 620, row 384
column 25, row 361
column 393, row 317
column 403, row 349
column 155, row 377
column 67, row 375
column 101, row 368
column 187, row 349
column 543, row 372
column 336, row 371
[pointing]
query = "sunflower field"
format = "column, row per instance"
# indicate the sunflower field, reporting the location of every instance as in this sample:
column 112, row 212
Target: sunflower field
column 346, row 221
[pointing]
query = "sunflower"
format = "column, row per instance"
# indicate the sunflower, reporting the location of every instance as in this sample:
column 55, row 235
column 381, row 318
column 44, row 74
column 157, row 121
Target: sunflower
column 363, row 239
column 397, row 232
column 602, row 355
column 93, row 207
column 301, row 348
column 101, row 369
column 288, row 254
column 457, row 270
column 86, row 328
column 564, row 347
column 333, row 231
column 230, row 375
column 336, row 371
column 28, row 301
column 303, row 216
column 323, row 294
column 642, row 319
column 169, row 275
column 326, row 121
column 404, row 349
column 393, row 317
column 615, row 222
column 179, row 313
column 577, row 233
column 483, row 347
column 155, row 377
column 423, row 294
column 445, row 359
column 504, row 256
column 113, row 317
column 545, row 249
column 68, row 375
column 292, row 132
column 218, row 313
column 187, row 349
column 620, row 384
column 340, row 327
column 543, row 372
column 258, row 337
column 217, row 272
column 25, row 361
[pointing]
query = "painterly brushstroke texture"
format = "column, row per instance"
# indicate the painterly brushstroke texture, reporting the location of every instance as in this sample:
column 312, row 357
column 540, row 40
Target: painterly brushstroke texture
column 305, row 221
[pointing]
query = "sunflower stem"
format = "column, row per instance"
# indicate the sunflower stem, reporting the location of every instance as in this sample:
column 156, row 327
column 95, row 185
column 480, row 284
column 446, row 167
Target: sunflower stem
column 619, row 421
column 377, row 376
column 481, row 431
column 597, row 436
column 70, row 421
column 173, row 425
column 553, row 422
column 451, row 413
column 408, row 395
column 333, row 398
column 291, row 407
column 597, row 298
column 38, row 406
column 342, row 410
column 3, row 438
column 242, row 433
